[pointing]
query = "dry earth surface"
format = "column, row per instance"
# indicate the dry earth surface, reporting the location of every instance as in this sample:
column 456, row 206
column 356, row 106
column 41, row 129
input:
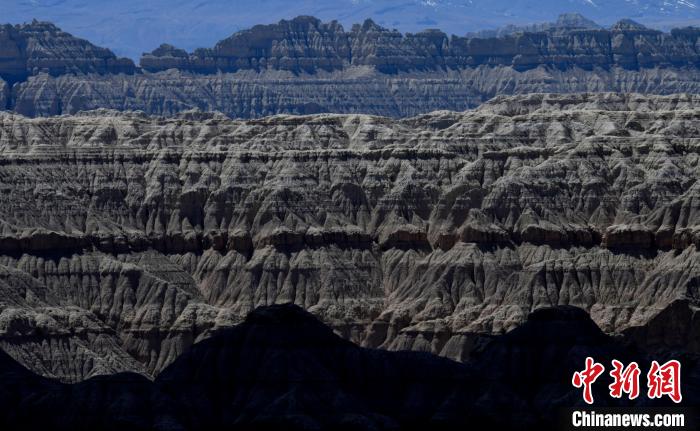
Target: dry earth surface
column 125, row 238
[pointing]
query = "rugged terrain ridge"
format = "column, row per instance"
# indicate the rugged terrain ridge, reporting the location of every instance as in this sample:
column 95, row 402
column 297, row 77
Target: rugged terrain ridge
column 305, row 66
column 125, row 238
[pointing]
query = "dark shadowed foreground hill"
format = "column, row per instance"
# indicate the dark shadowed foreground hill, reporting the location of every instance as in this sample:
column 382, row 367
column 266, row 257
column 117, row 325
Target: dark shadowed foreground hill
column 283, row 369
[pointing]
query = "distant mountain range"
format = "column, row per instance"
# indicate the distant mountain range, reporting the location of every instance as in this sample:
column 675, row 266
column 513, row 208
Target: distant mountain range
column 306, row 66
column 131, row 27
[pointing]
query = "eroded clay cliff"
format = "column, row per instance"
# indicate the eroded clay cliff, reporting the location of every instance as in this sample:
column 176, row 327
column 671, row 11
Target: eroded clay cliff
column 41, row 47
column 305, row 66
column 305, row 44
column 361, row 89
column 124, row 238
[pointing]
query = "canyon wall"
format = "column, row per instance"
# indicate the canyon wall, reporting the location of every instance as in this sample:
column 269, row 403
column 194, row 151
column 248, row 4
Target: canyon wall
column 305, row 66
column 125, row 238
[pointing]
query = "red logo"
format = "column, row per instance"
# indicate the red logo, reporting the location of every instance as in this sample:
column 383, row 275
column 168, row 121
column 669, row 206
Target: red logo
column 625, row 380
column 665, row 380
column 661, row 380
column 587, row 377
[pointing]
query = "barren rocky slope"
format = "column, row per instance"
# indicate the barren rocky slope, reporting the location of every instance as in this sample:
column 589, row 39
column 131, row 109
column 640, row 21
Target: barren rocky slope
column 125, row 238
column 305, row 44
column 131, row 27
column 361, row 89
column 305, row 66
column 41, row 47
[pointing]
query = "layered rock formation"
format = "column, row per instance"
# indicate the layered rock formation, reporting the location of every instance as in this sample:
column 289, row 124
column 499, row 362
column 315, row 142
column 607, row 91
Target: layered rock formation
column 125, row 238
column 249, row 94
column 305, row 44
column 41, row 47
column 305, row 66
column 4, row 94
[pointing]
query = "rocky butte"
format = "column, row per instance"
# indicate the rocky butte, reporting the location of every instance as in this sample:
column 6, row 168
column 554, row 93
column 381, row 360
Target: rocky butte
column 40, row 47
column 125, row 238
column 305, row 66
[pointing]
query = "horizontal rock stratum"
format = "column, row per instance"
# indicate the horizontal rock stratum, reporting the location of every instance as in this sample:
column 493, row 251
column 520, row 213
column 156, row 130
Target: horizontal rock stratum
column 305, row 66
column 125, row 238
column 305, row 44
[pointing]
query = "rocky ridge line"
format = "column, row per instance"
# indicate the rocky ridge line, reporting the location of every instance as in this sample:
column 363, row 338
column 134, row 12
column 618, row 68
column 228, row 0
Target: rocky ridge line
column 305, row 66
column 125, row 238
column 305, row 44
column 41, row 47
